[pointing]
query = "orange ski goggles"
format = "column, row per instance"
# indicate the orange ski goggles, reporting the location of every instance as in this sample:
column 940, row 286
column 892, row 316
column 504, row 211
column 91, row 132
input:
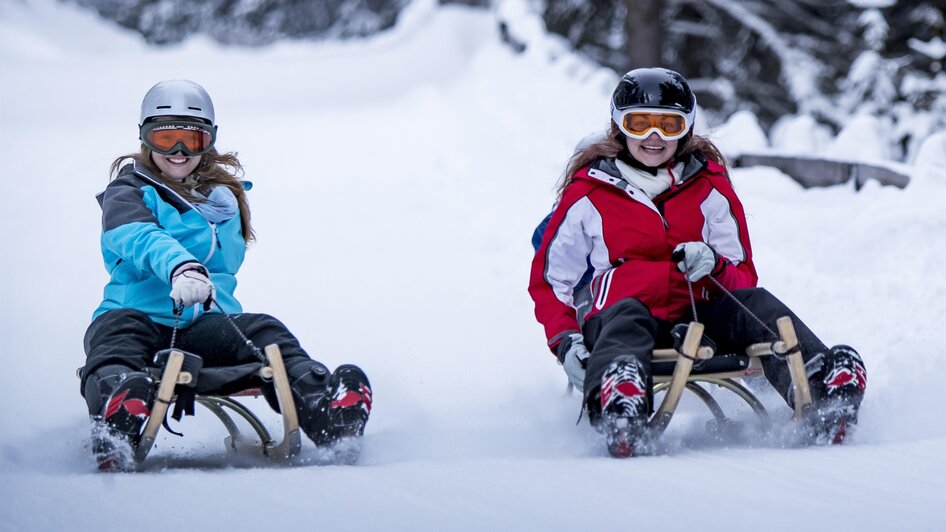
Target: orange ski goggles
column 640, row 123
column 172, row 136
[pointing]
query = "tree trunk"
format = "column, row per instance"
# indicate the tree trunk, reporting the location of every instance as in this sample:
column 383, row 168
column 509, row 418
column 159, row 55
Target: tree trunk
column 644, row 33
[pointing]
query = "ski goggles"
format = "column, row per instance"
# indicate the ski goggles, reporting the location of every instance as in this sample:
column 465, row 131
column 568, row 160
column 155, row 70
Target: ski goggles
column 640, row 123
column 173, row 136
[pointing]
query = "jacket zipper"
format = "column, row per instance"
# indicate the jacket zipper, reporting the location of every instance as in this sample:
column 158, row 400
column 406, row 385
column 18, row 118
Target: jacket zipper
column 213, row 227
column 214, row 242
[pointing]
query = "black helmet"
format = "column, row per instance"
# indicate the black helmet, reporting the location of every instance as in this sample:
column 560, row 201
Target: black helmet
column 655, row 89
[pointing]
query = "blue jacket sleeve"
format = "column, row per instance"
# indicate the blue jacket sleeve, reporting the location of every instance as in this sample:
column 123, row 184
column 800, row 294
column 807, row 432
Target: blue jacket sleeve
column 131, row 231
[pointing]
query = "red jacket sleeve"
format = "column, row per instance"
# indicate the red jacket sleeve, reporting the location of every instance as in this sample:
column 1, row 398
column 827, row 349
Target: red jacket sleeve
column 728, row 234
column 559, row 264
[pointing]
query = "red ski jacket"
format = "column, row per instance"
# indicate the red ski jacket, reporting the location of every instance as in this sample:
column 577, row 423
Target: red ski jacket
column 604, row 223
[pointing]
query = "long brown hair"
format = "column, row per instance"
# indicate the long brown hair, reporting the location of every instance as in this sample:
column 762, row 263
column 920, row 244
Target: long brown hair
column 215, row 168
column 614, row 144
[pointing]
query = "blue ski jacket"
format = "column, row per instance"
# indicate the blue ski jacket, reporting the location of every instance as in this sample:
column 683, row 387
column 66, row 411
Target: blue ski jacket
column 148, row 230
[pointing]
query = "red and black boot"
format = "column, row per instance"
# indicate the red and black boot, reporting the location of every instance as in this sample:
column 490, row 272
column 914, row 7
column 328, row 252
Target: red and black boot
column 845, row 381
column 339, row 415
column 838, row 381
column 624, row 406
column 116, row 431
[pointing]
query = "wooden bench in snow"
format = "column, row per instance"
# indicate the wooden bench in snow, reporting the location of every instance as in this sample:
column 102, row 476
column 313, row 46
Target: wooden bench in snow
column 811, row 172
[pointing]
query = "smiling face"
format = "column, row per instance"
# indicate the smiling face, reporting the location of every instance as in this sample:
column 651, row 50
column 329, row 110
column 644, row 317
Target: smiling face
column 176, row 166
column 652, row 151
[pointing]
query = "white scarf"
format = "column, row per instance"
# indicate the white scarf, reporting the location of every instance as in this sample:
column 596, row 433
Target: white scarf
column 652, row 185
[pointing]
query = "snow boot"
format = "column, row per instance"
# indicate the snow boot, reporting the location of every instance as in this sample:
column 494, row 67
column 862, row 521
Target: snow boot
column 624, row 407
column 838, row 381
column 342, row 411
column 845, row 380
column 115, row 433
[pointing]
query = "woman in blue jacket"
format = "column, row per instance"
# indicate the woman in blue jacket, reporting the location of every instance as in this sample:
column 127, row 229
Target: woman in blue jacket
column 175, row 226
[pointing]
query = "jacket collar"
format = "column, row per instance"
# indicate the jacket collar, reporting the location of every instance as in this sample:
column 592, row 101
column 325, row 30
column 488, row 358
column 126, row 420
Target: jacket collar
column 606, row 171
column 693, row 164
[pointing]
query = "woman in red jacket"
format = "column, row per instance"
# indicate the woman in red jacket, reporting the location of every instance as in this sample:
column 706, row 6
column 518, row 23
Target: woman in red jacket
column 648, row 213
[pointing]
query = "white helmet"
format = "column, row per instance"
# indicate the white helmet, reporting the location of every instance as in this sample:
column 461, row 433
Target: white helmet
column 177, row 97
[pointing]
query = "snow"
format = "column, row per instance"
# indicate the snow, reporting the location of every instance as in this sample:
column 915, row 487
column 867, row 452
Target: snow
column 801, row 135
column 862, row 138
column 397, row 183
column 740, row 134
column 867, row 4
column 935, row 48
column 931, row 158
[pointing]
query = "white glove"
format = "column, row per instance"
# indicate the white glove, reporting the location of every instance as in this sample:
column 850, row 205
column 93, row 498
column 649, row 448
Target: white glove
column 695, row 259
column 190, row 285
column 573, row 355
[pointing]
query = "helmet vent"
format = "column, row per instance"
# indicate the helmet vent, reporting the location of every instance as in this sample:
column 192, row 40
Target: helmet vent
column 177, row 97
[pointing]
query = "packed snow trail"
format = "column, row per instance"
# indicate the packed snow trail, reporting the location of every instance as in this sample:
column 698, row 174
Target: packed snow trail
column 394, row 230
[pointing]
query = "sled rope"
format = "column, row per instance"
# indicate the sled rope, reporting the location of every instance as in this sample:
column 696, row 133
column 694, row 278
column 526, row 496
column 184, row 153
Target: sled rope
column 177, row 323
column 743, row 307
column 735, row 299
column 692, row 300
column 249, row 343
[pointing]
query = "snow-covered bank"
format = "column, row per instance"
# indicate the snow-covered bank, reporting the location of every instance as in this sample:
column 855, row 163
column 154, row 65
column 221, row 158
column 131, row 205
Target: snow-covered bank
column 398, row 180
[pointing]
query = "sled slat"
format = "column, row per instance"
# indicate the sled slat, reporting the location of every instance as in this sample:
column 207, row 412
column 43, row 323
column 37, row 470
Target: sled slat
column 169, row 380
column 796, row 366
column 681, row 373
column 669, row 355
column 291, row 443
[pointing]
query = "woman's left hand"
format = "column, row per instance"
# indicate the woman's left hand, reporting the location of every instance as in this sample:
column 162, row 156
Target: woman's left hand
column 695, row 259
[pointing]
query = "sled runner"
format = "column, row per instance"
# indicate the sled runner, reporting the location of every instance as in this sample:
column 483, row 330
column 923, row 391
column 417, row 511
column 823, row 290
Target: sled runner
column 691, row 364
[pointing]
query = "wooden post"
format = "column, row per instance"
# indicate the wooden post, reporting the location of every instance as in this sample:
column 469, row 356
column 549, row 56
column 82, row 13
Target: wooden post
column 169, row 378
column 681, row 372
column 291, row 443
column 796, row 366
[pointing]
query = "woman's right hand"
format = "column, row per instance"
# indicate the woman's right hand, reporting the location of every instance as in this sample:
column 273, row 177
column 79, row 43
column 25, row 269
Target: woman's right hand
column 573, row 355
column 190, row 285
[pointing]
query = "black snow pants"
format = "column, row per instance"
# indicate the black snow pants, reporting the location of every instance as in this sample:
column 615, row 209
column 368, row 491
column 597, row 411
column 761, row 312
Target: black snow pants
column 121, row 341
column 628, row 328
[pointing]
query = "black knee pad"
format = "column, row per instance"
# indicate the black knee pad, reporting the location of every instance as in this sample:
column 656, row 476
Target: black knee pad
column 309, row 376
column 308, row 382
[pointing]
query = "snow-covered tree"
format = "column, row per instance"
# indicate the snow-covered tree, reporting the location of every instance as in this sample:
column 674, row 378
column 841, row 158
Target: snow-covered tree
column 249, row 22
column 828, row 59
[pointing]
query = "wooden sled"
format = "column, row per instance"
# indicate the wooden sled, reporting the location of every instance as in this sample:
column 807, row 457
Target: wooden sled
column 723, row 370
column 283, row 450
column 172, row 375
